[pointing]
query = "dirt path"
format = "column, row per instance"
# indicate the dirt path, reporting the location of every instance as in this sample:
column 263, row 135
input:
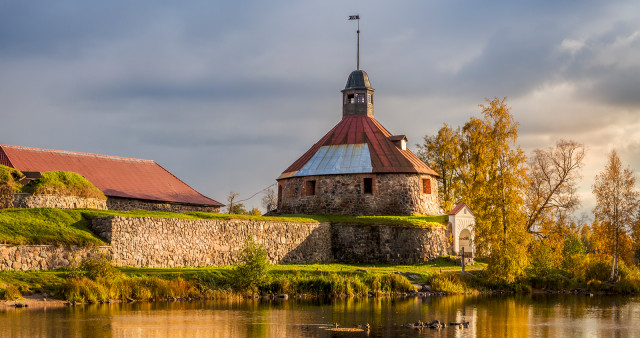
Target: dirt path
column 35, row 301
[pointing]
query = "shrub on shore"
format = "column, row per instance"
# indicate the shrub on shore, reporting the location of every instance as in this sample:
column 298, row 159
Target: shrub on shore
column 251, row 271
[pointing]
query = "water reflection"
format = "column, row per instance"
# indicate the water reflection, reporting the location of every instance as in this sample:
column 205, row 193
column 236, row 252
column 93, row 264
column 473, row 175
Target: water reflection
column 497, row 316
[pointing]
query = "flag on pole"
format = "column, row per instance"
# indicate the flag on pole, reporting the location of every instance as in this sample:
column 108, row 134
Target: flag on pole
column 354, row 17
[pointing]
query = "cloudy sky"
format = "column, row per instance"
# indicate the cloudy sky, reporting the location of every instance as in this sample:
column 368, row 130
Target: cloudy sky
column 227, row 94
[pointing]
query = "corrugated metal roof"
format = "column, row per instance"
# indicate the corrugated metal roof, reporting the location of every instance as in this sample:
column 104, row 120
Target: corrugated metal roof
column 115, row 176
column 338, row 159
column 360, row 129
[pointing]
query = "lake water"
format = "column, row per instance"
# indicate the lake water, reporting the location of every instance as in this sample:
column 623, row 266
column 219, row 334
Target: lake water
column 497, row 316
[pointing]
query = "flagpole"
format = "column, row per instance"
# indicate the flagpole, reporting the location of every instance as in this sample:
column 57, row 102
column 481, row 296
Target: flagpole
column 358, row 53
column 357, row 17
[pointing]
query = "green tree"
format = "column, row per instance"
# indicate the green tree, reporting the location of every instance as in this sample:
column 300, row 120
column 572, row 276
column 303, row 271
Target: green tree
column 616, row 203
column 441, row 153
column 252, row 267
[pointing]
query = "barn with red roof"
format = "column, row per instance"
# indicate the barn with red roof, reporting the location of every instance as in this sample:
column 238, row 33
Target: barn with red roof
column 128, row 183
column 359, row 167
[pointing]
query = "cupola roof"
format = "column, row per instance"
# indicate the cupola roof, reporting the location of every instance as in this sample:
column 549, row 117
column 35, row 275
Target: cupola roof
column 358, row 79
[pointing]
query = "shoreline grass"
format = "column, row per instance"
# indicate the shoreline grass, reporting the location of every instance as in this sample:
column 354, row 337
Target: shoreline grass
column 110, row 283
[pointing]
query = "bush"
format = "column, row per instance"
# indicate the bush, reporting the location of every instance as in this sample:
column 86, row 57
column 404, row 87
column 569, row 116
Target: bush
column 541, row 260
column 64, row 183
column 10, row 293
column 573, row 251
column 448, row 283
column 99, row 268
column 251, row 272
column 84, row 290
column 598, row 268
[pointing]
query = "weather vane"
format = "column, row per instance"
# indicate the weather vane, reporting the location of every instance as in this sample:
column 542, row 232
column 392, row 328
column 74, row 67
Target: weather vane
column 357, row 17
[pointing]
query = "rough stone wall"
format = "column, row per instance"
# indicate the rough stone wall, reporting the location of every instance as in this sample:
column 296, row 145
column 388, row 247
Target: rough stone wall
column 387, row 244
column 126, row 204
column 56, row 201
column 156, row 242
column 393, row 194
column 45, row 257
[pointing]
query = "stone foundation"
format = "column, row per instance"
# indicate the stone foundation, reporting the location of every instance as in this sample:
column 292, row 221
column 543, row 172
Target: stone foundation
column 126, row 204
column 45, row 257
column 392, row 194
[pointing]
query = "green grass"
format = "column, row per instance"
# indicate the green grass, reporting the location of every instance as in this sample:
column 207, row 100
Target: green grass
column 64, row 183
column 424, row 270
column 45, row 226
column 415, row 220
column 70, row 227
column 28, row 282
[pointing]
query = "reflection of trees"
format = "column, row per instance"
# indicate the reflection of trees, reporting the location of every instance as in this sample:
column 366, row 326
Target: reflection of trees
column 496, row 316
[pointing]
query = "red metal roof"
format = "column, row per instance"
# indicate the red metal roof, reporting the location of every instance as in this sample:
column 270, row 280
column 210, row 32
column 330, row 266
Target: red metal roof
column 386, row 157
column 457, row 209
column 115, row 176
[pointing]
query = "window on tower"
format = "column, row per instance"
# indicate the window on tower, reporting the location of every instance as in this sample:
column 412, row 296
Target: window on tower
column 310, row 188
column 367, row 183
column 350, row 98
column 369, row 99
column 360, row 98
column 426, row 186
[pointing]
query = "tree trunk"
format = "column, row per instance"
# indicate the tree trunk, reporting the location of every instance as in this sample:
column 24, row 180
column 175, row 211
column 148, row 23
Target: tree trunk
column 614, row 260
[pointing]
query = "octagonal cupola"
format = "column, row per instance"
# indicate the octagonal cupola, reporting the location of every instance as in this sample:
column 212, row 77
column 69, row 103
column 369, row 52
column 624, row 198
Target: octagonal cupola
column 357, row 95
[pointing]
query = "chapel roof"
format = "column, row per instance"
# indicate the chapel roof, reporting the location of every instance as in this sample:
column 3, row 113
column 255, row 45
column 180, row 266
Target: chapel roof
column 115, row 176
column 459, row 207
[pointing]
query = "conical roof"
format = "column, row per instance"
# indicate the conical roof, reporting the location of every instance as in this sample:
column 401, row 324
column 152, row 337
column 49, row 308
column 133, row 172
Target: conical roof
column 358, row 144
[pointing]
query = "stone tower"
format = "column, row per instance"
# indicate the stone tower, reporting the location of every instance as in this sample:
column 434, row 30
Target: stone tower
column 359, row 168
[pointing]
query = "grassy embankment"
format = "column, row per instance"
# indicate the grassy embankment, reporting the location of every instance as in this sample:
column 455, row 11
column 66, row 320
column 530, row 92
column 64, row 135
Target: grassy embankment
column 100, row 282
column 70, row 227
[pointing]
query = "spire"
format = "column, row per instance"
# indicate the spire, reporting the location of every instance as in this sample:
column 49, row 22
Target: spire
column 357, row 17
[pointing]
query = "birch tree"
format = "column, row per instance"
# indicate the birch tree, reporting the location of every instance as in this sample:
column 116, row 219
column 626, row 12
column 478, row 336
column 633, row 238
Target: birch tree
column 616, row 203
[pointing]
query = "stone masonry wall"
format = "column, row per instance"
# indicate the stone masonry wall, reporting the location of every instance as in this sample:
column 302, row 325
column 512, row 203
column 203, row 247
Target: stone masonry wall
column 56, row 201
column 387, row 244
column 393, row 194
column 45, row 257
column 156, row 242
column 126, row 204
